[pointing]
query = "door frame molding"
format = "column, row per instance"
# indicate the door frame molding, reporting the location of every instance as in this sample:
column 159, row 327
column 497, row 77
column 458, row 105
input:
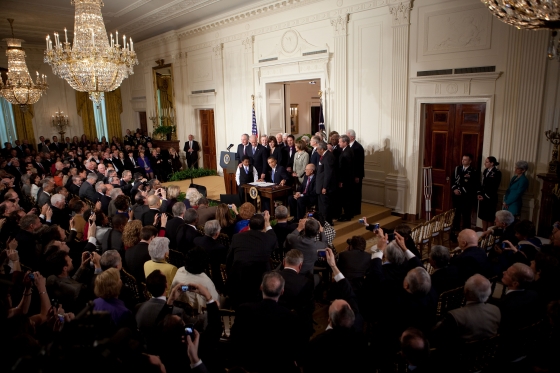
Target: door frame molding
column 467, row 88
column 202, row 102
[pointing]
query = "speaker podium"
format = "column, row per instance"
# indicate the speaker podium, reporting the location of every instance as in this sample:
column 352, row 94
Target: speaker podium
column 229, row 165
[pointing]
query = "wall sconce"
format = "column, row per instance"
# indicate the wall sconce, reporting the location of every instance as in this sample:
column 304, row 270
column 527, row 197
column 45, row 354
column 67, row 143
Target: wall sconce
column 60, row 121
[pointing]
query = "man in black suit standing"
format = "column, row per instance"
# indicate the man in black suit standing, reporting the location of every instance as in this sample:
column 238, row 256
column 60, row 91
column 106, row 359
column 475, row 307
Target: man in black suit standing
column 256, row 322
column 42, row 146
column 87, row 190
column 215, row 251
column 56, row 146
column 298, row 289
column 345, row 175
column 306, row 195
column 359, row 171
column 249, row 258
column 303, row 238
column 282, row 228
column 325, row 185
column 20, row 149
column 173, row 224
column 464, row 188
column 445, row 277
column 242, row 149
column 101, row 189
column 191, row 150
column 289, row 153
column 259, row 157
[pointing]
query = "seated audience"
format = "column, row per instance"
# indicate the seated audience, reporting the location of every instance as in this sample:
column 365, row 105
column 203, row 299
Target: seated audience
column 107, row 289
column 444, row 277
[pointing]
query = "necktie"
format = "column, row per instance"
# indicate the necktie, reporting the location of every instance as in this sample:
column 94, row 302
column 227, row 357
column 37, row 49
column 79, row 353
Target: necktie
column 190, row 144
column 290, row 152
column 254, row 150
column 273, row 175
column 306, row 185
column 244, row 149
column 247, row 170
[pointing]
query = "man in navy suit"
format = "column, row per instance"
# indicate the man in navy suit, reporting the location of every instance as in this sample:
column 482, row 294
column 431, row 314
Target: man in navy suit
column 359, row 171
column 325, row 185
column 276, row 175
column 315, row 140
column 289, row 153
column 258, row 156
column 346, row 178
column 191, row 150
column 242, row 149
column 305, row 195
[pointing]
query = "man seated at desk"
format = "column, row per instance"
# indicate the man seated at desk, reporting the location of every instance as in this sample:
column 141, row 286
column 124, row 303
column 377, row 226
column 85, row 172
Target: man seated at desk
column 278, row 175
column 244, row 175
column 305, row 195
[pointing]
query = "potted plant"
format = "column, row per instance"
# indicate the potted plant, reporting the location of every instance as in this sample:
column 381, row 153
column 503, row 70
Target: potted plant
column 164, row 130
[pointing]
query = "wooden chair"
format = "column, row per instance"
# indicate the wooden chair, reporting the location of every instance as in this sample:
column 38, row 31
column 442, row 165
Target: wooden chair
column 427, row 266
column 415, row 234
column 450, row 300
column 447, row 225
column 228, row 317
column 425, row 239
column 436, row 227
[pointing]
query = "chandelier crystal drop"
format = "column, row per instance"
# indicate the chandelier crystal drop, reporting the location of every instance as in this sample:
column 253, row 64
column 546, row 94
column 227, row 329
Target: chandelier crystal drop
column 19, row 88
column 92, row 63
column 527, row 14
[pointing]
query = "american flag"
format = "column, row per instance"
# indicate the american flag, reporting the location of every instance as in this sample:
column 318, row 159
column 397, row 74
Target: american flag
column 254, row 130
column 321, row 118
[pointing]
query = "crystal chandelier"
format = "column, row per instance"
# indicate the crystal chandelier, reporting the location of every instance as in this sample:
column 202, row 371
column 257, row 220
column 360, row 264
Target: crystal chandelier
column 527, row 14
column 91, row 64
column 19, row 88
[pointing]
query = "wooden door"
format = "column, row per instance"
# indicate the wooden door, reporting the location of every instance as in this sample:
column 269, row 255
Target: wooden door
column 208, row 139
column 451, row 131
column 143, row 122
column 275, row 101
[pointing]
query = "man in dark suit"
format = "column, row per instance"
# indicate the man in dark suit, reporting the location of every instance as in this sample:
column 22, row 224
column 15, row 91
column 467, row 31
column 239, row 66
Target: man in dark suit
column 306, row 243
column 44, row 196
column 187, row 232
column 359, row 170
column 131, row 164
column 148, row 312
column 472, row 258
column 136, row 256
column 445, row 277
column 305, row 195
column 56, row 146
column 42, row 146
column 245, row 174
column 243, row 148
column 354, row 263
column 255, row 322
column 298, row 289
column 214, row 249
column 60, row 213
column 74, row 186
column 259, row 157
column 464, row 188
column 314, row 157
column 154, row 209
column 20, row 149
column 249, row 257
column 173, row 224
column 289, row 153
column 345, row 175
column 282, row 229
column 101, row 189
column 325, row 185
column 519, row 306
column 87, row 190
column 191, row 150
column 39, row 166
column 124, row 182
column 277, row 175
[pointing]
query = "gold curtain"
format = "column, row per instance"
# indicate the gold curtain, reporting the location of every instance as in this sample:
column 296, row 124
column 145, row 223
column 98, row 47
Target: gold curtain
column 85, row 109
column 113, row 109
column 24, row 123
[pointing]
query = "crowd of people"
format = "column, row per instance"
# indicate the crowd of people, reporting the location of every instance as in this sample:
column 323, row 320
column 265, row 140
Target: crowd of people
column 326, row 171
column 104, row 268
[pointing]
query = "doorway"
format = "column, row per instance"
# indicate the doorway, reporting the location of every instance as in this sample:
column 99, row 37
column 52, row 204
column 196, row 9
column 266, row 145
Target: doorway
column 208, row 138
column 451, row 131
column 293, row 107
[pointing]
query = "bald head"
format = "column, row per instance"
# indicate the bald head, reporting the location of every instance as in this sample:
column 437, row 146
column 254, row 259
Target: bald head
column 153, row 201
column 467, row 238
column 341, row 315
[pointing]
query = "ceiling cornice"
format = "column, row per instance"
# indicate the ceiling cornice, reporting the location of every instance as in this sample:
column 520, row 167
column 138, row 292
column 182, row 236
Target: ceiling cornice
column 255, row 13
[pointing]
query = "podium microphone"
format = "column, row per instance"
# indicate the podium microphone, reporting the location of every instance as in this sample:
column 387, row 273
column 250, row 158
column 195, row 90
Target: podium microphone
column 229, row 147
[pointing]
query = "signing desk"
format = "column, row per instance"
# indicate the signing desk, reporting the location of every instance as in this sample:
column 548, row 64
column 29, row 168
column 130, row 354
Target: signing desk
column 271, row 192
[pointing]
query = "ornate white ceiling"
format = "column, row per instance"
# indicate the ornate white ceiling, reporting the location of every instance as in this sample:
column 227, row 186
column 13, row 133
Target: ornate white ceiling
column 140, row 19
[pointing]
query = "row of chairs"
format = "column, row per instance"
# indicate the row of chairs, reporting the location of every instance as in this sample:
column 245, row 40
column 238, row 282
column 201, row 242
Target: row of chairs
column 433, row 231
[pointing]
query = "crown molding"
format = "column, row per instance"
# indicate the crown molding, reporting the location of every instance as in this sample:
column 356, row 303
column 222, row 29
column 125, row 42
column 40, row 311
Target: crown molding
column 256, row 13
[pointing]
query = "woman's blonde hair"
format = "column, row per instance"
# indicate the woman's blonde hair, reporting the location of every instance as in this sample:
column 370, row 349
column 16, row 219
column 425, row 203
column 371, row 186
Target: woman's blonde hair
column 173, row 191
column 131, row 233
column 108, row 284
